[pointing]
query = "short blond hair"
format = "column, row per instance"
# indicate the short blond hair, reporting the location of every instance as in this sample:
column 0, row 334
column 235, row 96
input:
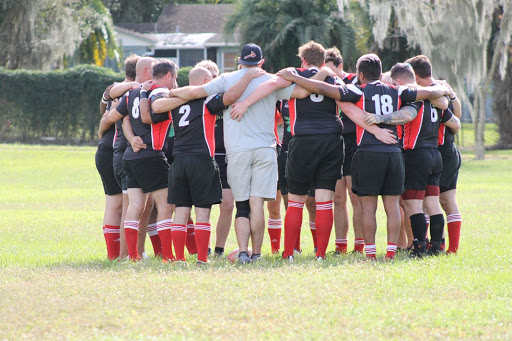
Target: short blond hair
column 208, row 65
column 313, row 53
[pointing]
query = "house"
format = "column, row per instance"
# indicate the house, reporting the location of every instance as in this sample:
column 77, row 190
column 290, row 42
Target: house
column 185, row 34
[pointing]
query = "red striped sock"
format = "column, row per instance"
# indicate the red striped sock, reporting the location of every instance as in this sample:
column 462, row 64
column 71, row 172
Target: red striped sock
column 370, row 250
column 454, row 222
column 131, row 231
column 202, row 236
column 155, row 239
column 359, row 245
column 274, row 232
column 292, row 223
column 391, row 251
column 323, row 223
column 191, row 240
column 312, row 227
column 179, row 238
column 112, row 236
column 165, row 235
column 341, row 245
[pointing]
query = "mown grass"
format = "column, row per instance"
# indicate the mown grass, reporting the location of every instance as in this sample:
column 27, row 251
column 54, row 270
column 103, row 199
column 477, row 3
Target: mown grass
column 56, row 284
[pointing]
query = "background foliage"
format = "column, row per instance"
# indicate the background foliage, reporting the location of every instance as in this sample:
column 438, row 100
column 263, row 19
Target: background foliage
column 61, row 104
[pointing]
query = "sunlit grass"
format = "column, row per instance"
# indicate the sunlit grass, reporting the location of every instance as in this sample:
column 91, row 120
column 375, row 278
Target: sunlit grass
column 56, row 283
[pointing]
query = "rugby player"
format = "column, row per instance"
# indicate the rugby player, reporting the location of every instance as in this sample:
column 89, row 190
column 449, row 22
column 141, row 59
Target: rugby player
column 334, row 61
column 450, row 155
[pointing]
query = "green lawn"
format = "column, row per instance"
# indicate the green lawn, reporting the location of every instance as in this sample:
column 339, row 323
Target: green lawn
column 56, row 283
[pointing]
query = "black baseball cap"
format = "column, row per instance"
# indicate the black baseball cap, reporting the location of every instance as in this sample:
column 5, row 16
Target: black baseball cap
column 251, row 55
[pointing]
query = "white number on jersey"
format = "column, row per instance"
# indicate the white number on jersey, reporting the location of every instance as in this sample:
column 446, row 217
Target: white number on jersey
column 135, row 107
column 185, row 111
column 433, row 114
column 316, row 98
column 383, row 104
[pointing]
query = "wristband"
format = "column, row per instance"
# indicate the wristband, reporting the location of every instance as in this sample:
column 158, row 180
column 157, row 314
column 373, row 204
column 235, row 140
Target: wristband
column 104, row 101
column 453, row 99
column 143, row 94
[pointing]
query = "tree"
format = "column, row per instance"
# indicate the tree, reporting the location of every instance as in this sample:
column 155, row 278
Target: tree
column 456, row 35
column 44, row 34
column 280, row 27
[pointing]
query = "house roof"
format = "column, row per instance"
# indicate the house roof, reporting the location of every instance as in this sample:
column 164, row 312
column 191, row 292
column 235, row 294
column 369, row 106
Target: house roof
column 140, row 27
column 193, row 18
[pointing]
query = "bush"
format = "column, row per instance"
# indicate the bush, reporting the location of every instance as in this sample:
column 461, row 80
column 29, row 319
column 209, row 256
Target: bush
column 60, row 104
column 183, row 75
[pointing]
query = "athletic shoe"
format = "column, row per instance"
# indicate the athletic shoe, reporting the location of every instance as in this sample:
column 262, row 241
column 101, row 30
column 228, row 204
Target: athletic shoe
column 200, row 263
column 289, row 259
column 181, row 264
column 355, row 252
column 435, row 249
column 298, row 252
column 209, row 251
column 256, row 257
column 243, row 258
column 320, row 259
column 218, row 255
column 419, row 250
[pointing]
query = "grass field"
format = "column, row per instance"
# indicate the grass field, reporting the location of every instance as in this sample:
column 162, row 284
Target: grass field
column 56, row 284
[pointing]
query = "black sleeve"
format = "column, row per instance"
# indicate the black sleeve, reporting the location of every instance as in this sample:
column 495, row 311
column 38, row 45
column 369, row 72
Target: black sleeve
column 446, row 116
column 215, row 104
column 407, row 94
column 350, row 93
column 122, row 107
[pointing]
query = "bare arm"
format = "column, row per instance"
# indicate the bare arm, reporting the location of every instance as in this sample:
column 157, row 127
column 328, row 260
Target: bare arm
column 454, row 124
column 404, row 115
column 311, row 85
column 145, row 114
column 119, row 89
column 357, row 115
column 432, row 92
column 234, row 93
column 440, row 102
column 189, row 92
column 163, row 104
column 105, row 98
column 300, row 92
column 135, row 141
column 109, row 118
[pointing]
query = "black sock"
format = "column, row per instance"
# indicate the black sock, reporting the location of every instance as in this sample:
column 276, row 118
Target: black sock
column 436, row 227
column 219, row 249
column 419, row 226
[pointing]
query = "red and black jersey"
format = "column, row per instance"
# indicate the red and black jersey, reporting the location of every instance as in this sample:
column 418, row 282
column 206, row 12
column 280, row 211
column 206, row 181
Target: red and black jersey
column 349, row 127
column 120, row 142
column 282, row 107
column 315, row 114
column 422, row 132
column 194, row 126
column 380, row 99
column 107, row 140
column 445, row 135
column 153, row 135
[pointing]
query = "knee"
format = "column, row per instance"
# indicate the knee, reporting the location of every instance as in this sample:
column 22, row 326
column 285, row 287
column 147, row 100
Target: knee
column 243, row 209
column 340, row 199
column 227, row 207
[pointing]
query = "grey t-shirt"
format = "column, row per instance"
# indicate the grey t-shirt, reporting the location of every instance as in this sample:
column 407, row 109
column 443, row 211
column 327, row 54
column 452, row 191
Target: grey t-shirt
column 256, row 129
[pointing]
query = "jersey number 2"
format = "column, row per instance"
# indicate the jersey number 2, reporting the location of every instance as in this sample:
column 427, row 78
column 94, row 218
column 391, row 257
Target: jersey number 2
column 383, row 104
column 185, row 111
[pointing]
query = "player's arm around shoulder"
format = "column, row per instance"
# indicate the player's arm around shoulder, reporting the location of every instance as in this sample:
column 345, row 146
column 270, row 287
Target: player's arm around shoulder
column 163, row 101
column 451, row 121
column 120, row 89
column 236, row 91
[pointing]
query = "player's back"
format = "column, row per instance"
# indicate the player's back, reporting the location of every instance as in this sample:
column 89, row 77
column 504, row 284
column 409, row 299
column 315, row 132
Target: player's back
column 315, row 114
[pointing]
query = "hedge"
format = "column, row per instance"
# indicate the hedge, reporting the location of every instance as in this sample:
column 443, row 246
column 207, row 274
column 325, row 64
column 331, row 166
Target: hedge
column 62, row 105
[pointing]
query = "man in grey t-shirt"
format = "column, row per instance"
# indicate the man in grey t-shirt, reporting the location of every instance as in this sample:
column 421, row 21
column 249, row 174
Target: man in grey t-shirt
column 250, row 149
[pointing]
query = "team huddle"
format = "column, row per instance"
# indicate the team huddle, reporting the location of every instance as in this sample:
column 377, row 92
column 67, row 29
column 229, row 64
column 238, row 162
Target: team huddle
column 345, row 137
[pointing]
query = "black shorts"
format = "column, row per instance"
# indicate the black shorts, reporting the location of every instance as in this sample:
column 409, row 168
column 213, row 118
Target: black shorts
column 149, row 174
column 377, row 173
column 282, row 184
column 194, row 181
column 223, row 169
column 350, row 142
column 314, row 161
column 423, row 168
column 105, row 165
column 120, row 175
column 452, row 161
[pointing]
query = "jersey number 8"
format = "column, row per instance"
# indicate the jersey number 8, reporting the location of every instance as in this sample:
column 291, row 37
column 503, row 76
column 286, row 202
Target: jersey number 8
column 135, row 107
column 383, row 104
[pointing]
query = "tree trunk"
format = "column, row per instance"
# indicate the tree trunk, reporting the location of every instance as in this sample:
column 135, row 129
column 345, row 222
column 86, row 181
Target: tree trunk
column 480, row 100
